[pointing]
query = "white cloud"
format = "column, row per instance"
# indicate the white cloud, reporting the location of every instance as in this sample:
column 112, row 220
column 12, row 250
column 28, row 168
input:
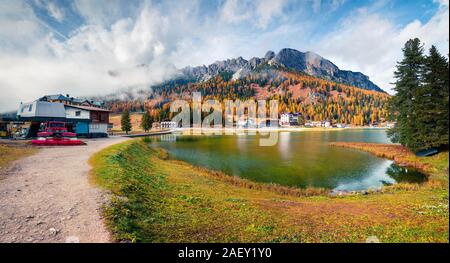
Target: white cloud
column 55, row 12
column 260, row 13
column 52, row 9
column 267, row 9
column 99, row 12
column 18, row 27
column 369, row 43
column 81, row 64
column 235, row 11
column 442, row 2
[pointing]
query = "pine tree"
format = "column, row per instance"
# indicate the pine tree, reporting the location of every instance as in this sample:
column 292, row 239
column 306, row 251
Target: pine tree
column 420, row 105
column 407, row 86
column 146, row 121
column 431, row 104
column 125, row 121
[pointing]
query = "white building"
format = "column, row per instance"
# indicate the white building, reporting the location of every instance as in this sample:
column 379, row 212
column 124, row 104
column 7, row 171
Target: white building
column 73, row 112
column 289, row 119
column 168, row 125
column 41, row 110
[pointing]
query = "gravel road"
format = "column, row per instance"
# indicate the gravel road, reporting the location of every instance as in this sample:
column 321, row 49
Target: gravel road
column 47, row 197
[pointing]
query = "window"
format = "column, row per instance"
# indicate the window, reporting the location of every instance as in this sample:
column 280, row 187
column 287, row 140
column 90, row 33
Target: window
column 78, row 113
column 94, row 116
column 30, row 108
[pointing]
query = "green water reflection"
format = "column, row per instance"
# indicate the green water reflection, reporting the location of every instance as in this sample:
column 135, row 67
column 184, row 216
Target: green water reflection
column 300, row 159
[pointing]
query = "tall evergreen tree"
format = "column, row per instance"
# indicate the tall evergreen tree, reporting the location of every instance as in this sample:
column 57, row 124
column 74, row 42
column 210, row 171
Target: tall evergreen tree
column 125, row 121
column 431, row 104
column 146, row 121
column 408, row 82
column 420, row 105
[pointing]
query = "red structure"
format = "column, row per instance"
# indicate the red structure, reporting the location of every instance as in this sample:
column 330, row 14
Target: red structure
column 55, row 133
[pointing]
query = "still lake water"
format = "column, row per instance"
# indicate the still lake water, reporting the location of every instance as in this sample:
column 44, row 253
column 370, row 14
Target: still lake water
column 300, row 159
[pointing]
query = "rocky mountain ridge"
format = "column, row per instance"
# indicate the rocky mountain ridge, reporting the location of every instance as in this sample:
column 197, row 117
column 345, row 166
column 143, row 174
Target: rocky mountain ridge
column 287, row 59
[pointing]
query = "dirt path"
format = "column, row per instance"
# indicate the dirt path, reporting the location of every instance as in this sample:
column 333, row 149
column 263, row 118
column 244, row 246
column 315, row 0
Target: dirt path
column 47, row 197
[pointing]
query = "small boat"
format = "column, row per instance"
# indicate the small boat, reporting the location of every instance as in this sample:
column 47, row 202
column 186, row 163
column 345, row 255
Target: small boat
column 427, row 152
column 55, row 134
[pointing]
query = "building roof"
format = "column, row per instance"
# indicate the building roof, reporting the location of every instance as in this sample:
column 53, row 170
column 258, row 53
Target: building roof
column 97, row 103
column 77, row 100
column 55, row 97
column 71, row 99
column 89, row 108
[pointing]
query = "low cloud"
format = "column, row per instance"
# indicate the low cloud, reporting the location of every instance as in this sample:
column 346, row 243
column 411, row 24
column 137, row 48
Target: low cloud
column 136, row 50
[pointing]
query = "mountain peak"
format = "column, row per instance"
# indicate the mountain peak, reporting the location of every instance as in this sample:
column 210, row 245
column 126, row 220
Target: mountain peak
column 289, row 58
column 269, row 55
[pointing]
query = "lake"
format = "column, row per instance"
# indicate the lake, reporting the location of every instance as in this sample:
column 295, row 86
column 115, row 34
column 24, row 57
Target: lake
column 300, row 159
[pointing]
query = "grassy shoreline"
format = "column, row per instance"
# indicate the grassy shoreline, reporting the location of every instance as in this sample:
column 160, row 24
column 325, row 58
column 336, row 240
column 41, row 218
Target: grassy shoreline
column 155, row 199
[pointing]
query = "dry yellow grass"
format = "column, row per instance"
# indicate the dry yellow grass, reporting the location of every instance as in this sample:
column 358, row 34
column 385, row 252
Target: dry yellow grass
column 135, row 122
column 12, row 152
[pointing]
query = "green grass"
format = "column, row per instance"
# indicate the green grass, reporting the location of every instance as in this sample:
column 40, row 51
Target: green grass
column 156, row 199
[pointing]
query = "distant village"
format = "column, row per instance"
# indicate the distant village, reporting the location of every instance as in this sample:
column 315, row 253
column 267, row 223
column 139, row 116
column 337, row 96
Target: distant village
column 296, row 120
column 91, row 119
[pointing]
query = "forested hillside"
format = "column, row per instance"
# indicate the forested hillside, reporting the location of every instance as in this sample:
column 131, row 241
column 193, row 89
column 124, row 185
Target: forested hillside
column 315, row 98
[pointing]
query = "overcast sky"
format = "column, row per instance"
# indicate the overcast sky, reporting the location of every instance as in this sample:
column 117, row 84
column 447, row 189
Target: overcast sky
column 73, row 47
